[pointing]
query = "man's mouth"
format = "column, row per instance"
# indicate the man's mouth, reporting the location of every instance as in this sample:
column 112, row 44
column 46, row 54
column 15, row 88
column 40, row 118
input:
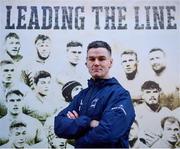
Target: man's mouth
column 14, row 50
column 129, row 69
column 152, row 99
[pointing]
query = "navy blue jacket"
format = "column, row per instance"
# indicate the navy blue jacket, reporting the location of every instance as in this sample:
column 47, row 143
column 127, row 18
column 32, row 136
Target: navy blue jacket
column 104, row 100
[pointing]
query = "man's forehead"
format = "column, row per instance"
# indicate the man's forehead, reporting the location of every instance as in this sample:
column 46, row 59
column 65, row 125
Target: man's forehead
column 45, row 78
column 12, row 38
column 40, row 41
column 128, row 56
column 156, row 53
column 170, row 124
column 8, row 66
column 103, row 52
column 77, row 48
column 13, row 96
column 151, row 89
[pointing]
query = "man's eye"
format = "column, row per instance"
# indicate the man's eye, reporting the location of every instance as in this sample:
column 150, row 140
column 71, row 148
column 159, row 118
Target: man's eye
column 102, row 59
column 91, row 59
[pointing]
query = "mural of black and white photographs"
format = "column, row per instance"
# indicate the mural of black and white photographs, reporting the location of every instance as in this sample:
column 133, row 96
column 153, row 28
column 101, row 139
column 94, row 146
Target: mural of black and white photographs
column 42, row 66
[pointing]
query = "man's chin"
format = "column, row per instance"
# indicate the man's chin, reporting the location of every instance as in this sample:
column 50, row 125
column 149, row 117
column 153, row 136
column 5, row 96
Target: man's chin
column 96, row 77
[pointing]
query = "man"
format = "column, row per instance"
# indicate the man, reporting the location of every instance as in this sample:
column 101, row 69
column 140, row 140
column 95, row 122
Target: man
column 150, row 111
column 100, row 115
column 171, row 133
column 132, row 80
column 43, row 48
column 71, row 69
column 8, row 79
column 42, row 62
column 165, row 77
column 44, row 104
column 12, row 47
column 129, row 63
column 14, row 102
column 17, row 136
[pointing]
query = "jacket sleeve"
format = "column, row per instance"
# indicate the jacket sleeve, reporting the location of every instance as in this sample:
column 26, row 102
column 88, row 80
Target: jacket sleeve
column 70, row 128
column 116, row 121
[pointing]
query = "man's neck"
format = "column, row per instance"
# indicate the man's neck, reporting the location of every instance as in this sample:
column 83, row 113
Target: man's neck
column 72, row 64
column 131, row 76
column 160, row 71
column 154, row 107
column 14, row 116
column 15, row 147
column 42, row 61
column 41, row 97
column 16, row 57
column 71, row 67
column 7, row 84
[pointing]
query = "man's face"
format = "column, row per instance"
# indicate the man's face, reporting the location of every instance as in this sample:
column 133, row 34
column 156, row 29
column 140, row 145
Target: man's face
column 76, row 90
column 14, row 104
column 99, row 62
column 43, row 48
column 18, row 136
column 74, row 54
column 42, row 86
column 151, row 96
column 129, row 63
column 157, row 60
column 133, row 132
column 12, row 46
column 7, row 73
column 171, row 131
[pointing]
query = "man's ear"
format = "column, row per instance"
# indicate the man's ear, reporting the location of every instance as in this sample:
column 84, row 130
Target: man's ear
column 86, row 63
column 111, row 62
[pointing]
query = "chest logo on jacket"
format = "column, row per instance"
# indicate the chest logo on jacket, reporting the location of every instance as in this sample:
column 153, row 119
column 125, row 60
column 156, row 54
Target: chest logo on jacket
column 94, row 102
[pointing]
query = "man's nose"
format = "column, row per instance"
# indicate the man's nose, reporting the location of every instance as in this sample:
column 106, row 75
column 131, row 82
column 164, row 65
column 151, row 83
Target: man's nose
column 96, row 62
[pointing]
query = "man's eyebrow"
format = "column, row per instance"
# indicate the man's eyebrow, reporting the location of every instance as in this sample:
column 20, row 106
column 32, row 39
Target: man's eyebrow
column 97, row 56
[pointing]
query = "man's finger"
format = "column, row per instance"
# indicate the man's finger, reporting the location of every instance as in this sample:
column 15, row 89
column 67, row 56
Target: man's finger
column 70, row 115
column 75, row 114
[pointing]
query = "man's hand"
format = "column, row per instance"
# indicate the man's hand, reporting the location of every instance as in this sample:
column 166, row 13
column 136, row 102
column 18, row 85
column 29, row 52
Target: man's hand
column 94, row 123
column 72, row 115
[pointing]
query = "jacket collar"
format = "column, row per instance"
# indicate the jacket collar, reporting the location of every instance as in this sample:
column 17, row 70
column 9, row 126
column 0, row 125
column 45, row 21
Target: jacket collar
column 101, row 82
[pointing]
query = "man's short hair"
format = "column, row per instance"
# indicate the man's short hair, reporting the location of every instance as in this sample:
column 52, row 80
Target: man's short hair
column 17, row 124
column 17, row 92
column 150, row 85
column 41, row 74
column 41, row 37
column 74, row 44
column 99, row 44
column 4, row 62
column 157, row 49
column 14, row 35
column 170, row 119
column 129, row 52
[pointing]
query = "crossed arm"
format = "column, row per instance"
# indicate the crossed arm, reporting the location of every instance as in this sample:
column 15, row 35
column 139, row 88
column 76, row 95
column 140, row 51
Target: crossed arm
column 74, row 115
